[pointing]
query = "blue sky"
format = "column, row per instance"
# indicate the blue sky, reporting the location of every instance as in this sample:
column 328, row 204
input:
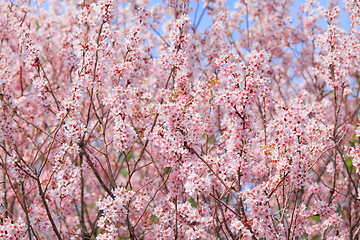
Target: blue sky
column 344, row 20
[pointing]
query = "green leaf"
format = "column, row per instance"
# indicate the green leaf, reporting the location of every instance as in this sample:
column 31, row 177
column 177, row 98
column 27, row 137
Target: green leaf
column 92, row 205
column 349, row 163
column 338, row 210
column 37, row 24
column 315, row 237
column 124, row 172
column 316, row 217
column 167, row 170
column 354, row 140
column 153, row 218
column 212, row 140
column 193, row 202
column 130, row 155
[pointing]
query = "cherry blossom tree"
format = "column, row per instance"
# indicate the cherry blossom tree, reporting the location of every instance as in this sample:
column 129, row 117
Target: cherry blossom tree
column 125, row 119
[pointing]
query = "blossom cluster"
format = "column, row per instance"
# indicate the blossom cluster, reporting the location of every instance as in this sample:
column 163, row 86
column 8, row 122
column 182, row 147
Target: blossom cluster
column 139, row 119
